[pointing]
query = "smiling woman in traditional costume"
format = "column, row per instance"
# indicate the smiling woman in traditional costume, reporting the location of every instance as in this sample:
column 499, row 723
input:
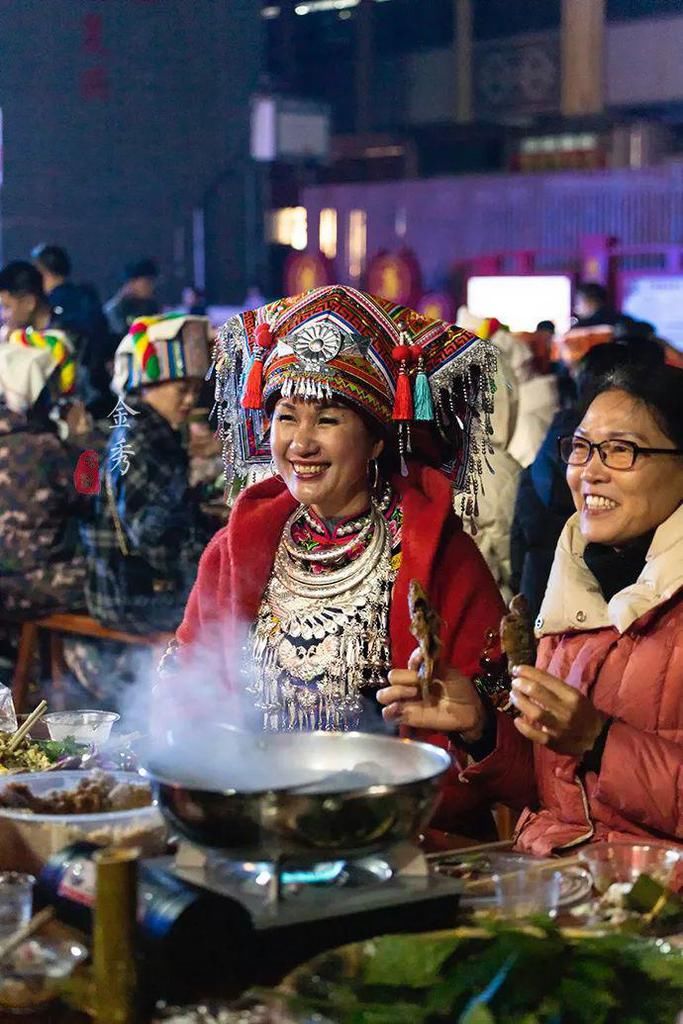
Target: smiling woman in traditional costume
column 369, row 415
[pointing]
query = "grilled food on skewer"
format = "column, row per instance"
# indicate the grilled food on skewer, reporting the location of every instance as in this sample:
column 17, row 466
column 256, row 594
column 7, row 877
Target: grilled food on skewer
column 517, row 633
column 424, row 625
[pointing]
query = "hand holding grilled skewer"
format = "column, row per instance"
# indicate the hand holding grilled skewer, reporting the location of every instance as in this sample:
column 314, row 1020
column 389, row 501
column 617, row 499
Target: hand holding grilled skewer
column 425, row 626
column 554, row 714
column 452, row 705
column 517, row 633
column 417, row 699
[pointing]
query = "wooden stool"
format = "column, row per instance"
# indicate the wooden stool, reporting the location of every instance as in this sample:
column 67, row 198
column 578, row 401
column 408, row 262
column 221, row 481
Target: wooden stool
column 56, row 626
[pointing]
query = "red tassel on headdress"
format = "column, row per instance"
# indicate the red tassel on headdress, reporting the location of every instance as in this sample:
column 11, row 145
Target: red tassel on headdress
column 403, row 402
column 252, row 396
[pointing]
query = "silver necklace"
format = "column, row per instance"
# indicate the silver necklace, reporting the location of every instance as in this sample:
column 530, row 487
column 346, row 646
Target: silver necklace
column 319, row 639
column 335, row 554
column 295, row 574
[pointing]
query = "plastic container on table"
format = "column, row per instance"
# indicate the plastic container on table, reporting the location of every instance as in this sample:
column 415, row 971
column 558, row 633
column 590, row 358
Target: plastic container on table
column 44, row 834
column 83, row 726
column 30, row 977
column 623, row 862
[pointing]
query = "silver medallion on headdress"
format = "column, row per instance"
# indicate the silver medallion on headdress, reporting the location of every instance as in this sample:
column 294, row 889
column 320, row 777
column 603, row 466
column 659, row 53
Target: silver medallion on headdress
column 316, row 343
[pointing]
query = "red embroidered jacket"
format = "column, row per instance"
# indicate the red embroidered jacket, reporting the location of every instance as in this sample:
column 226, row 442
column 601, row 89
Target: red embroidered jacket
column 236, row 566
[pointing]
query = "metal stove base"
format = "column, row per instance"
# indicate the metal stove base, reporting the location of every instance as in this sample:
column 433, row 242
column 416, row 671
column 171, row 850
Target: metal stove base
column 254, row 941
column 396, row 879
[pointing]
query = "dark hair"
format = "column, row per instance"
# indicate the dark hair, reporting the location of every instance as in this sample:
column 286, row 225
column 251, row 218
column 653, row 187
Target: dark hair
column 592, row 291
column 52, row 258
column 21, row 278
column 140, row 268
column 628, row 331
column 602, row 359
column 657, row 387
column 546, row 325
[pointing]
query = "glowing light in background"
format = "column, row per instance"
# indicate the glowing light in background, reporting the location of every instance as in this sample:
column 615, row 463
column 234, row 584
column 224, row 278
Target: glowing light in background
column 328, row 233
column 289, row 226
column 325, row 5
column 521, row 302
column 357, row 242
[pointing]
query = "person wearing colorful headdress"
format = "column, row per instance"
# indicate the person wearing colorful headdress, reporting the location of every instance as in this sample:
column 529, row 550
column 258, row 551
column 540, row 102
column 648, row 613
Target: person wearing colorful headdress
column 42, row 568
column 147, row 529
column 28, row 320
column 369, row 416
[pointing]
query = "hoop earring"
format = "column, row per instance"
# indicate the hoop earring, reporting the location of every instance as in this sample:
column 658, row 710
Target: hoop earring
column 374, row 486
column 273, row 470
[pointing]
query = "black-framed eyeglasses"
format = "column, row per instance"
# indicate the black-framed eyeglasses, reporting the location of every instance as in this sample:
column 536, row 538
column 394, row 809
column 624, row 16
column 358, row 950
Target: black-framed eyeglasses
column 616, row 454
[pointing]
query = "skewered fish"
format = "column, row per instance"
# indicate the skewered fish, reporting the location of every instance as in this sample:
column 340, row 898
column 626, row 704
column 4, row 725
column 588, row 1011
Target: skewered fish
column 425, row 625
column 517, row 634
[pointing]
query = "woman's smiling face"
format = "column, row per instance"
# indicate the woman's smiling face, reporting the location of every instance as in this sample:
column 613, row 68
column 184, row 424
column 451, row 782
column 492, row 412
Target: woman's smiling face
column 321, row 451
column 618, row 506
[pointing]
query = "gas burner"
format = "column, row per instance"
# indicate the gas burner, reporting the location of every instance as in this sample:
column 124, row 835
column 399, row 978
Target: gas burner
column 294, row 881
column 285, row 893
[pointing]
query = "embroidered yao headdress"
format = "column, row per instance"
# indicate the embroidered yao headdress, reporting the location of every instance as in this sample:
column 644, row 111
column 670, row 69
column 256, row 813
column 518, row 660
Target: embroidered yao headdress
column 59, row 346
column 423, row 379
column 156, row 349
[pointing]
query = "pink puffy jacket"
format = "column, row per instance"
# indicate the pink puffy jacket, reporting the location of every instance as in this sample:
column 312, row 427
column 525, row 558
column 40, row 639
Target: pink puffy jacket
column 628, row 658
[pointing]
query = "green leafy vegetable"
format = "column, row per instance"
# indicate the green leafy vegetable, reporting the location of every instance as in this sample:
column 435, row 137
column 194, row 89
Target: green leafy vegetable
column 55, row 750
column 401, row 960
column 478, row 1013
column 496, row 975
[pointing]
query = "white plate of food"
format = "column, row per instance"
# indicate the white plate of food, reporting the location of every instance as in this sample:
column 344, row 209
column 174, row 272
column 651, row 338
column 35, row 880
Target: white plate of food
column 52, row 809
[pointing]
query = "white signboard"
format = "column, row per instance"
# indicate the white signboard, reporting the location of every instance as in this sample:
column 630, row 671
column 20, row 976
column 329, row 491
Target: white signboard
column 522, row 302
column 290, row 130
column 659, row 300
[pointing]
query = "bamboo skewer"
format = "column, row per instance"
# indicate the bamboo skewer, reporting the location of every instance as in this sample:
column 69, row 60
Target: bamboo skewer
column 465, row 851
column 26, row 726
column 26, row 931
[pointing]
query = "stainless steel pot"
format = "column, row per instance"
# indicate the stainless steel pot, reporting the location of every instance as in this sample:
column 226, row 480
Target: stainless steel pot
column 297, row 796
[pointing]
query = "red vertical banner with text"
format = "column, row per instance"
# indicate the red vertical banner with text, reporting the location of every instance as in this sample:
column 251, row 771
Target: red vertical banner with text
column 94, row 77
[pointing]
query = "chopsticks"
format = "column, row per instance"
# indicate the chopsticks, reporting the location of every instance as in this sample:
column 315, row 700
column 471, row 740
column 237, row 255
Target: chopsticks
column 465, row 851
column 26, row 931
column 26, row 726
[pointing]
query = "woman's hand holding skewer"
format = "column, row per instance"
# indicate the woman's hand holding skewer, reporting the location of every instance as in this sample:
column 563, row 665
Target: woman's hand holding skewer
column 453, row 704
column 554, row 714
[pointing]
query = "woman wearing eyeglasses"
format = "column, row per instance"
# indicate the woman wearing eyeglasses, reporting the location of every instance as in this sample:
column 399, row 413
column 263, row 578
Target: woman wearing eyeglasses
column 596, row 751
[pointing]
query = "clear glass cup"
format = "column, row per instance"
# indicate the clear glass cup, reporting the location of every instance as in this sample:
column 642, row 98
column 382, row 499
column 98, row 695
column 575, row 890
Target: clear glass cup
column 83, row 726
column 32, row 975
column 623, row 863
column 527, row 891
column 16, row 901
column 8, row 716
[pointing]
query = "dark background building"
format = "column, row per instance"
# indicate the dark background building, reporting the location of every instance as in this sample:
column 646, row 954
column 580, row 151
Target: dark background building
column 126, row 122
column 121, row 122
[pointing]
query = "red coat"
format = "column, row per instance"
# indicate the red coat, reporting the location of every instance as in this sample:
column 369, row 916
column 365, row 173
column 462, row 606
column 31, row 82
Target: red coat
column 628, row 659
column 236, row 566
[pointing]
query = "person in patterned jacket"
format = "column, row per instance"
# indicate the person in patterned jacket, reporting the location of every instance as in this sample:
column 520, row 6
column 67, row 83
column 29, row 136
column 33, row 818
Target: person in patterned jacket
column 42, row 569
column 147, row 530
